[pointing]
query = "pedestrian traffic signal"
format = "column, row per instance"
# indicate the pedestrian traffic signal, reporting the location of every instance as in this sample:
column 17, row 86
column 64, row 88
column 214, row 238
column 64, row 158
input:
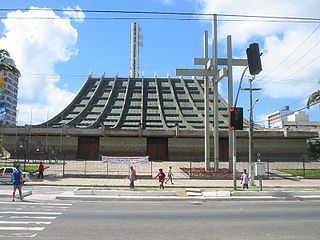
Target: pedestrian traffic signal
column 254, row 60
column 236, row 118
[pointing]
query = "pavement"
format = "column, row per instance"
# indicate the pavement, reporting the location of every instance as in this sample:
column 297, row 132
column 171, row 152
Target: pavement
column 111, row 189
column 94, row 180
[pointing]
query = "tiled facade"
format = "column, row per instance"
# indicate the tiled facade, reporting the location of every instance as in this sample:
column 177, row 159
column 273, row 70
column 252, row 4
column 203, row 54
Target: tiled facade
column 9, row 99
column 140, row 103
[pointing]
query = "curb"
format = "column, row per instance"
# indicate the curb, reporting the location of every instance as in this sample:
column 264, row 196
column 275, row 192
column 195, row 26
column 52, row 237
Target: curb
column 71, row 196
column 184, row 199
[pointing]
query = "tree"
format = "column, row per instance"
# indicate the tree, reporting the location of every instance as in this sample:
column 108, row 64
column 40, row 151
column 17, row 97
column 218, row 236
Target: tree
column 313, row 146
column 314, row 98
column 6, row 67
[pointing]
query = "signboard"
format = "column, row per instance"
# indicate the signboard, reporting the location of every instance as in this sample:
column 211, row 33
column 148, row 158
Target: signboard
column 125, row 160
column 260, row 169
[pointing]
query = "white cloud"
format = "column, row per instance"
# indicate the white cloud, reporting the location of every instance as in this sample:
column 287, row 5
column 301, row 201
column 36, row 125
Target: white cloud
column 37, row 46
column 75, row 14
column 280, row 79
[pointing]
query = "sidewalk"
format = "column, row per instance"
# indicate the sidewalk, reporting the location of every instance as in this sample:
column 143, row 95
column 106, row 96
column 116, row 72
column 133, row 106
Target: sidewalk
column 287, row 183
column 107, row 189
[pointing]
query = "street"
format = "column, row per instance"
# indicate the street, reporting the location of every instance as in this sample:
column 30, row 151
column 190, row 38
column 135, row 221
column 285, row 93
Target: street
column 165, row 220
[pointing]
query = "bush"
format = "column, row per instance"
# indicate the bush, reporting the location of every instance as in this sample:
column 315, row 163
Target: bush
column 313, row 146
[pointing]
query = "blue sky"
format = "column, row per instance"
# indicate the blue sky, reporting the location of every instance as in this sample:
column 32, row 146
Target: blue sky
column 55, row 56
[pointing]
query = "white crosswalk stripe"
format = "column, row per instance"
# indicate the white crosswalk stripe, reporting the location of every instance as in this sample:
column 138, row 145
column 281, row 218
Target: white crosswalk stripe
column 24, row 220
column 32, row 217
column 10, row 222
column 33, row 213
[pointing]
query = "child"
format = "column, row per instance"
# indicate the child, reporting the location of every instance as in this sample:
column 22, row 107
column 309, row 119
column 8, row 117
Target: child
column 170, row 175
column 245, row 179
column 161, row 177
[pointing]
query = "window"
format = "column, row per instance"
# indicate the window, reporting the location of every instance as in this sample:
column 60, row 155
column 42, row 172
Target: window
column 8, row 170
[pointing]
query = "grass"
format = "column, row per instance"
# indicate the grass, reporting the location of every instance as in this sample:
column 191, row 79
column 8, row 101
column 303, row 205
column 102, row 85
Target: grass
column 30, row 168
column 301, row 172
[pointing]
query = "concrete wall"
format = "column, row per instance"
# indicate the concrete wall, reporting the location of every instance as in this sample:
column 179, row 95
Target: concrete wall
column 68, row 146
column 123, row 146
column 273, row 149
column 179, row 148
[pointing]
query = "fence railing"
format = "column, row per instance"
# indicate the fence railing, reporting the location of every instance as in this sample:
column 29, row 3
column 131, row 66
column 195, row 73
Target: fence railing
column 180, row 169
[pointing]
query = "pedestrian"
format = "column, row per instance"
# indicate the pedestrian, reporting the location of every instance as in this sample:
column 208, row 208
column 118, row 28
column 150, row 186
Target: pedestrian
column 245, row 179
column 41, row 170
column 17, row 182
column 161, row 175
column 170, row 175
column 132, row 176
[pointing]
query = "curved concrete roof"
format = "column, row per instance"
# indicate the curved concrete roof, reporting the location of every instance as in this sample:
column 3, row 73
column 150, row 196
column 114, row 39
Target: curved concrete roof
column 139, row 103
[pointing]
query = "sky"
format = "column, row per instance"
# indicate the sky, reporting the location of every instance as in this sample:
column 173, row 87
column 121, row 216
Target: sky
column 56, row 48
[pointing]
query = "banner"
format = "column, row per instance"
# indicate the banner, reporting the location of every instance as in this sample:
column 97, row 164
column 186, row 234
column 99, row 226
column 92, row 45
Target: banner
column 124, row 160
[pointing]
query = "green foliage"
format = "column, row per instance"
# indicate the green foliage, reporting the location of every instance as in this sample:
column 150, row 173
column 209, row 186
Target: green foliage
column 30, row 168
column 313, row 146
column 301, row 172
column 314, row 98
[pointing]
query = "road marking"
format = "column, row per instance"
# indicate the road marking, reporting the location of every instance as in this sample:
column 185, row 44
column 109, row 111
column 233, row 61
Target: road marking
column 54, row 207
column 38, row 203
column 34, row 213
column 24, row 235
column 11, row 222
column 32, row 217
column 16, row 223
column 22, row 228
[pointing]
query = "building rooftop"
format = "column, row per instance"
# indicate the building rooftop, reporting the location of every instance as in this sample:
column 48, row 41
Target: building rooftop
column 139, row 103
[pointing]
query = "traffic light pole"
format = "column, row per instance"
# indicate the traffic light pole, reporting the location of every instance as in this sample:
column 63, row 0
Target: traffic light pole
column 234, row 137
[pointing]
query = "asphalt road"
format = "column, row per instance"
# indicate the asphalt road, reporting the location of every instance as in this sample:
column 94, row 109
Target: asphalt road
column 187, row 220
column 40, row 189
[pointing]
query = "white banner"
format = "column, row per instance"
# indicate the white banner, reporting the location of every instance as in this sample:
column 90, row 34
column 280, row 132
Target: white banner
column 125, row 160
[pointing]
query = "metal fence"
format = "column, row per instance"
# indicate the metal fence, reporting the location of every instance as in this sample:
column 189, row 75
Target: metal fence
column 180, row 169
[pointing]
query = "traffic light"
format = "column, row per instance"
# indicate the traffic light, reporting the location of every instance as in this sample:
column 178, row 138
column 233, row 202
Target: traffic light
column 254, row 60
column 236, row 118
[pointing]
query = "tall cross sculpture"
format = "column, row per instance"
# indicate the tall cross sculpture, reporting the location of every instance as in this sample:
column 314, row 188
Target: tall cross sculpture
column 211, row 70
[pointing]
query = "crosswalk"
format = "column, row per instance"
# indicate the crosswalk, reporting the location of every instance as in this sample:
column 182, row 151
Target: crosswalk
column 27, row 219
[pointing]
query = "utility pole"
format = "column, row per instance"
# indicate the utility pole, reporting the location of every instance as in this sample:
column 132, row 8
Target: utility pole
column 251, row 105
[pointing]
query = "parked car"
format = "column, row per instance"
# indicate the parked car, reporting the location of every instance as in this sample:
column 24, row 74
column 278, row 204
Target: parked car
column 6, row 174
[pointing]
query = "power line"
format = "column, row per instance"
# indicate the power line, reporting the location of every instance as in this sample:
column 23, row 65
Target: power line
column 285, row 70
column 306, row 19
column 275, row 68
column 292, row 112
column 159, row 18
